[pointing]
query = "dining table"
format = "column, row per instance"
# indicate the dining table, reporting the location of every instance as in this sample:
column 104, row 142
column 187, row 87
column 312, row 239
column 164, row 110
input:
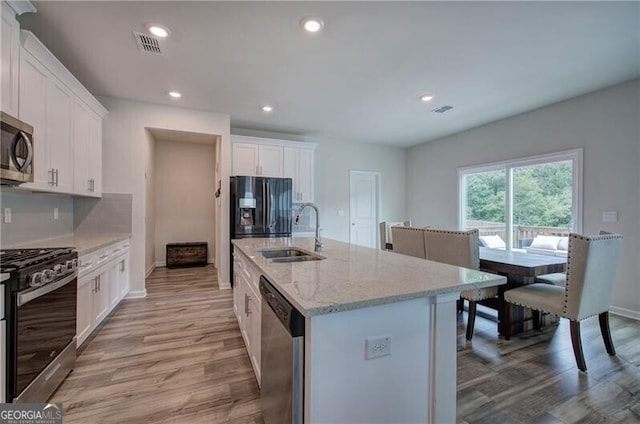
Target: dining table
column 520, row 268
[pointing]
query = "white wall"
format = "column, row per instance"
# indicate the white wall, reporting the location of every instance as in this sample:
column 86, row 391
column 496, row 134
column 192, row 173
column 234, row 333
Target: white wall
column 125, row 152
column 184, row 188
column 334, row 160
column 605, row 123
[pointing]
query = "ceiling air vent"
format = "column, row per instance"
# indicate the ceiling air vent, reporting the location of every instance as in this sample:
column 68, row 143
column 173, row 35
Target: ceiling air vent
column 147, row 43
column 442, row 109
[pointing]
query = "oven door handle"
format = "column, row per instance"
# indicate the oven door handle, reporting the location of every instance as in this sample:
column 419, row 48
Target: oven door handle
column 28, row 297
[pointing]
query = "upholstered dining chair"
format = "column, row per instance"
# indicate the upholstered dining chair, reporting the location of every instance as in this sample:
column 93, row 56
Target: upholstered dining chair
column 591, row 269
column 386, row 237
column 459, row 248
column 408, row 241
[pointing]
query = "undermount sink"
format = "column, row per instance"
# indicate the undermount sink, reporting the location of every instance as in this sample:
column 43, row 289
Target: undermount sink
column 288, row 254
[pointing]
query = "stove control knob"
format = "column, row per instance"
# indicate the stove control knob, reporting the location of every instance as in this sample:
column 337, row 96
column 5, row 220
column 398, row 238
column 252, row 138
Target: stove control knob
column 59, row 269
column 36, row 279
column 48, row 275
column 74, row 264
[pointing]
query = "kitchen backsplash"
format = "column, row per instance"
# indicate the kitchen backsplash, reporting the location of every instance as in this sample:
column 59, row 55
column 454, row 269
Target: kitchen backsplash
column 110, row 214
column 39, row 216
column 33, row 216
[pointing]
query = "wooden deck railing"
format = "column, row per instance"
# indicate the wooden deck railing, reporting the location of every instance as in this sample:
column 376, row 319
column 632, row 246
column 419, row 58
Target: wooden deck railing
column 520, row 232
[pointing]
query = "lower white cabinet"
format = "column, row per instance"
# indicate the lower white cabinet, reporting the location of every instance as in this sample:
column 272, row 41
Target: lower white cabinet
column 247, row 305
column 103, row 282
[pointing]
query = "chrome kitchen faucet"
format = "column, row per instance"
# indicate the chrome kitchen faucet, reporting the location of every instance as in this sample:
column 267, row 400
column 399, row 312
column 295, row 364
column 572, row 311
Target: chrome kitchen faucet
column 319, row 244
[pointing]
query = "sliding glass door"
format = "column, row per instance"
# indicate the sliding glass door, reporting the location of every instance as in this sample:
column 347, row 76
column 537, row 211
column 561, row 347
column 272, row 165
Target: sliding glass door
column 512, row 202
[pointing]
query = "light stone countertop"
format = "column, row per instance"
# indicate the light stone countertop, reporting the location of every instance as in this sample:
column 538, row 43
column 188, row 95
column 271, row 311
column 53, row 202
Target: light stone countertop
column 4, row 276
column 84, row 244
column 354, row 277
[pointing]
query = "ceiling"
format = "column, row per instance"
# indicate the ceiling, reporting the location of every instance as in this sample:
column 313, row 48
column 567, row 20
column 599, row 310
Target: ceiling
column 360, row 79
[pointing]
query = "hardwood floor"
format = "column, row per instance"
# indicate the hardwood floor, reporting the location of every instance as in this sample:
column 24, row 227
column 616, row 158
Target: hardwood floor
column 177, row 357
column 533, row 377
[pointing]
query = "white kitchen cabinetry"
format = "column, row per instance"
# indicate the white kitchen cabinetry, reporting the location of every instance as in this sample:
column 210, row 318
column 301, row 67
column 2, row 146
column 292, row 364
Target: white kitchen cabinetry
column 10, row 52
column 277, row 158
column 87, row 137
column 257, row 159
column 47, row 104
column 247, row 305
column 67, row 122
column 298, row 165
column 102, row 284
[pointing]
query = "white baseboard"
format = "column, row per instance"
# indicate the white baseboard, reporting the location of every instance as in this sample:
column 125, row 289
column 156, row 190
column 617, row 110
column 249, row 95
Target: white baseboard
column 224, row 286
column 138, row 294
column 160, row 264
column 212, row 261
column 625, row 312
column 150, row 270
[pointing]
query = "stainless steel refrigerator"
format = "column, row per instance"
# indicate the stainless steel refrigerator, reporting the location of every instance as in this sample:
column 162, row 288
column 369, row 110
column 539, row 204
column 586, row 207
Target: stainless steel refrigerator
column 260, row 207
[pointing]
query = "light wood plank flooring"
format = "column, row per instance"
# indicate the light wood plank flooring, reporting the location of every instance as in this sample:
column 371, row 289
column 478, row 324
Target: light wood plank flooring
column 177, row 357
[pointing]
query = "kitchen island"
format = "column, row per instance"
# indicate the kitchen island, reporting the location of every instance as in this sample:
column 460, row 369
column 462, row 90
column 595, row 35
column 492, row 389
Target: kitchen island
column 356, row 294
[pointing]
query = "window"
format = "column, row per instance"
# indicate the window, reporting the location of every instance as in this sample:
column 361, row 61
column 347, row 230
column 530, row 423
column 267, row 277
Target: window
column 520, row 199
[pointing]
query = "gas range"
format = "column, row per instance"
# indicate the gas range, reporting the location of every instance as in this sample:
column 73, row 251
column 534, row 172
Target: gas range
column 37, row 267
column 40, row 299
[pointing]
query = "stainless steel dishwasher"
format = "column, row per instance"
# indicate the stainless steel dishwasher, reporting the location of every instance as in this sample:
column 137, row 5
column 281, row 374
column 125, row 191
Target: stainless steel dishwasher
column 282, row 358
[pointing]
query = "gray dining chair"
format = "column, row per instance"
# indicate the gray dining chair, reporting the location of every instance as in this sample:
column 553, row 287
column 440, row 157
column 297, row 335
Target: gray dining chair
column 591, row 269
column 459, row 248
column 386, row 237
column 408, row 241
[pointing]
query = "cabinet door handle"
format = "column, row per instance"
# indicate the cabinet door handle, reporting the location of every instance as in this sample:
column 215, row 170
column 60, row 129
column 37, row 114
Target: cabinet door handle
column 57, row 175
column 247, row 299
column 99, row 288
column 52, row 181
column 95, row 285
column 257, row 170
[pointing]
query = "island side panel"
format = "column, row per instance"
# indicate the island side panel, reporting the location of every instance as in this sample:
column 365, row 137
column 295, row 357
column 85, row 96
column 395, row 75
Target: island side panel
column 443, row 358
column 341, row 386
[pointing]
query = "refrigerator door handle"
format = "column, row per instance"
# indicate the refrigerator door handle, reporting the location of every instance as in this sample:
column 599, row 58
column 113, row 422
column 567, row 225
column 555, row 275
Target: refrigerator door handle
column 268, row 205
column 264, row 203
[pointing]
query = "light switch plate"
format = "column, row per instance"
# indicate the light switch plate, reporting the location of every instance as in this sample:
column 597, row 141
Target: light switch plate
column 55, row 213
column 7, row 215
column 610, row 216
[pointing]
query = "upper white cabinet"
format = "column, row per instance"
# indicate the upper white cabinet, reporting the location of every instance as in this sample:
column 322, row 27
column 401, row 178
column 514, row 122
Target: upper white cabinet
column 88, row 151
column 67, row 122
column 251, row 158
column 298, row 165
column 10, row 52
column 47, row 104
column 276, row 158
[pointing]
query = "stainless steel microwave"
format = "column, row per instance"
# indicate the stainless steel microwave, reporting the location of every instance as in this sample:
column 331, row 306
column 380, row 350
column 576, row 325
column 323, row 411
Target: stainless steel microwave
column 16, row 156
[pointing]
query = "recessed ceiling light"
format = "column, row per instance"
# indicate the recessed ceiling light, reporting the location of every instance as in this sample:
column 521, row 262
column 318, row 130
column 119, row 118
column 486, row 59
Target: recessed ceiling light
column 158, row 30
column 426, row 97
column 267, row 108
column 175, row 94
column 312, row 24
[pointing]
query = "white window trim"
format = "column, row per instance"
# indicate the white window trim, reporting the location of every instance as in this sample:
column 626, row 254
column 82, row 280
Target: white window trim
column 574, row 155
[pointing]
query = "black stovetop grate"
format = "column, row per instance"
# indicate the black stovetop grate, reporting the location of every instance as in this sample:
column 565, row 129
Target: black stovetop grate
column 13, row 259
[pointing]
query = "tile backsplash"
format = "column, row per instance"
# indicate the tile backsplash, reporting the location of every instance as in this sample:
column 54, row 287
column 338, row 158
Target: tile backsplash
column 110, row 214
column 32, row 216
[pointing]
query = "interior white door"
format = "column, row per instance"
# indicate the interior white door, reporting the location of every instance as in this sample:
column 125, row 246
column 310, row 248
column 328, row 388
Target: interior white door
column 363, row 212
